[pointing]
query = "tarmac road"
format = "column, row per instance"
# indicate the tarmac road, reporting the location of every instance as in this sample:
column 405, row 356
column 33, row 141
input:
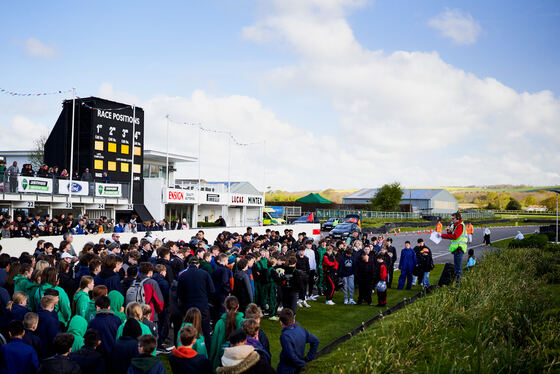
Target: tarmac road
column 440, row 252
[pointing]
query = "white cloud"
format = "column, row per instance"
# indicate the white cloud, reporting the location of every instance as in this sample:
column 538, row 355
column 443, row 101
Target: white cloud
column 456, row 25
column 20, row 132
column 410, row 116
column 35, row 48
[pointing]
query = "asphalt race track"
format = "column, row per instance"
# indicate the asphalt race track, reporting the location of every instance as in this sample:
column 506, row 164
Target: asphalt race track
column 440, row 252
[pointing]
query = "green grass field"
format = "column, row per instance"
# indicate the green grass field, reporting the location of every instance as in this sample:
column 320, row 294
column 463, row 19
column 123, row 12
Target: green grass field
column 505, row 317
column 329, row 322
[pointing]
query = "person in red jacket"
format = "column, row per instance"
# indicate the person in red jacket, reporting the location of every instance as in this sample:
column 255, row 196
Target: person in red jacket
column 330, row 266
column 380, row 276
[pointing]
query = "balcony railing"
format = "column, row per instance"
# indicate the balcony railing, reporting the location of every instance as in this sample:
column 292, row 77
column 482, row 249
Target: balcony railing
column 27, row 183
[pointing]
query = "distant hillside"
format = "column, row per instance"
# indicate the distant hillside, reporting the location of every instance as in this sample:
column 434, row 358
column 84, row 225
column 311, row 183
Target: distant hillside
column 333, row 195
column 467, row 196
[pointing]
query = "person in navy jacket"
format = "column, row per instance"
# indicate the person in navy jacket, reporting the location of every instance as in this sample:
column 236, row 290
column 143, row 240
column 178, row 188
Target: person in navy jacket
column 109, row 275
column 194, row 287
column 16, row 356
column 48, row 325
column 293, row 340
column 406, row 265
column 106, row 323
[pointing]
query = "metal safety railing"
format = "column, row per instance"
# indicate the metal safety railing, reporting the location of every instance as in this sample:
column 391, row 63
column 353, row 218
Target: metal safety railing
column 49, row 184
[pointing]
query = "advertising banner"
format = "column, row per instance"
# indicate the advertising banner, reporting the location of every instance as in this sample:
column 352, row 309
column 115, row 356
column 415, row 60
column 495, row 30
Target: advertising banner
column 179, row 196
column 108, row 190
column 79, row 188
column 246, row 200
column 33, row 184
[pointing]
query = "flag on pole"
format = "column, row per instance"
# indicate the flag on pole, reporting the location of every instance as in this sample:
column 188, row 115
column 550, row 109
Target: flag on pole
column 310, row 217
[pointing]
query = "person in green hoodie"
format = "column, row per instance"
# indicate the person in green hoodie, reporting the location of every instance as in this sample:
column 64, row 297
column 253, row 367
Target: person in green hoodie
column 134, row 310
column 229, row 322
column 117, row 301
column 321, row 250
column 259, row 273
column 77, row 327
column 49, row 279
column 194, row 318
column 23, row 283
column 146, row 363
column 81, row 297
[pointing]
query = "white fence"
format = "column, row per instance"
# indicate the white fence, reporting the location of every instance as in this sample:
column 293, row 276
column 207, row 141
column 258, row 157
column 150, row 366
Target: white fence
column 15, row 246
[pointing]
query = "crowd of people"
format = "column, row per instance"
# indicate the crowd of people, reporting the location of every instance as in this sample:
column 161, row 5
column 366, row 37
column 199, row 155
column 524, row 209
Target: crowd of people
column 111, row 306
column 10, row 174
column 22, row 226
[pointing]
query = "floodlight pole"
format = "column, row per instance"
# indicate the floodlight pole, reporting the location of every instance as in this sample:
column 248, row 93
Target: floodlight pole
column 229, row 164
column 72, row 144
column 132, row 150
column 199, row 131
column 167, row 156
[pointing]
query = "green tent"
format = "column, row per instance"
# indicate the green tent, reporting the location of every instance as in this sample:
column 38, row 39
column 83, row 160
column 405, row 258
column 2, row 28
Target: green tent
column 313, row 198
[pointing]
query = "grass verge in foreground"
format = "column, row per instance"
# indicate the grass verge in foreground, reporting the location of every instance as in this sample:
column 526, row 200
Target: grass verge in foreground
column 503, row 318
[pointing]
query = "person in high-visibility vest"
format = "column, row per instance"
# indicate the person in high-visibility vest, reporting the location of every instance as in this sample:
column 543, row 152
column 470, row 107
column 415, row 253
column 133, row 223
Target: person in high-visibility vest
column 439, row 226
column 470, row 230
column 458, row 246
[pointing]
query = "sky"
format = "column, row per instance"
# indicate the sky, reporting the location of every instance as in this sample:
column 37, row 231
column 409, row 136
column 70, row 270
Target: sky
column 321, row 93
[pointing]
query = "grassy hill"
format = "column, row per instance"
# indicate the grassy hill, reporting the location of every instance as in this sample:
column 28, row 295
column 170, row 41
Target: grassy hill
column 468, row 197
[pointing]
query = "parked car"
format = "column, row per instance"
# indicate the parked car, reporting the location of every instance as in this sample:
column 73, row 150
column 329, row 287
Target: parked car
column 344, row 230
column 329, row 224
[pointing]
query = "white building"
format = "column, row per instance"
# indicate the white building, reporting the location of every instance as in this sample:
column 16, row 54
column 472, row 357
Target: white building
column 241, row 205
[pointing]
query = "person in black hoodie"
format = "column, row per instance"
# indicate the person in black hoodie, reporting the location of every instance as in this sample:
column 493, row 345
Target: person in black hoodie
column 392, row 252
column 89, row 360
column 109, row 275
column 126, row 347
column 365, row 277
column 242, row 284
column 303, row 266
column 222, row 277
column 291, row 284
column 60, row 362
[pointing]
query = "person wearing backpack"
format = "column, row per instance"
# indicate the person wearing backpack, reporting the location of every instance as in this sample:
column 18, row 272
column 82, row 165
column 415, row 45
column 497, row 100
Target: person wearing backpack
column 145, row 290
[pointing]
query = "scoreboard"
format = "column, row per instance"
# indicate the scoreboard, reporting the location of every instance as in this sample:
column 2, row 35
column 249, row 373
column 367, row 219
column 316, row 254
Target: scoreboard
column 117, row 143
column 108, row 137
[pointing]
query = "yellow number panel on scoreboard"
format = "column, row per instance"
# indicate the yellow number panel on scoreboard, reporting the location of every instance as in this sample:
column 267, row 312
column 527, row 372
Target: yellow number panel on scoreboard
column 98, row 145
column 112, row 147
column 124, row 167
column 112, row 166
column 137, row 151
column 98, row 164
column 124, row 149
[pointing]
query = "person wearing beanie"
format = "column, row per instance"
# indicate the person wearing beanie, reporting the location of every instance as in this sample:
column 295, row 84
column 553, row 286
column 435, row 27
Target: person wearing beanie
column 242, row 358
column 126, row 347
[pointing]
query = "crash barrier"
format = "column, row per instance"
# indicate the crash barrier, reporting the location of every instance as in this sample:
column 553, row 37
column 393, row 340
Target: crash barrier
column 341, row 213
column 332, row 345
column 397, row 231
column 15, row 246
